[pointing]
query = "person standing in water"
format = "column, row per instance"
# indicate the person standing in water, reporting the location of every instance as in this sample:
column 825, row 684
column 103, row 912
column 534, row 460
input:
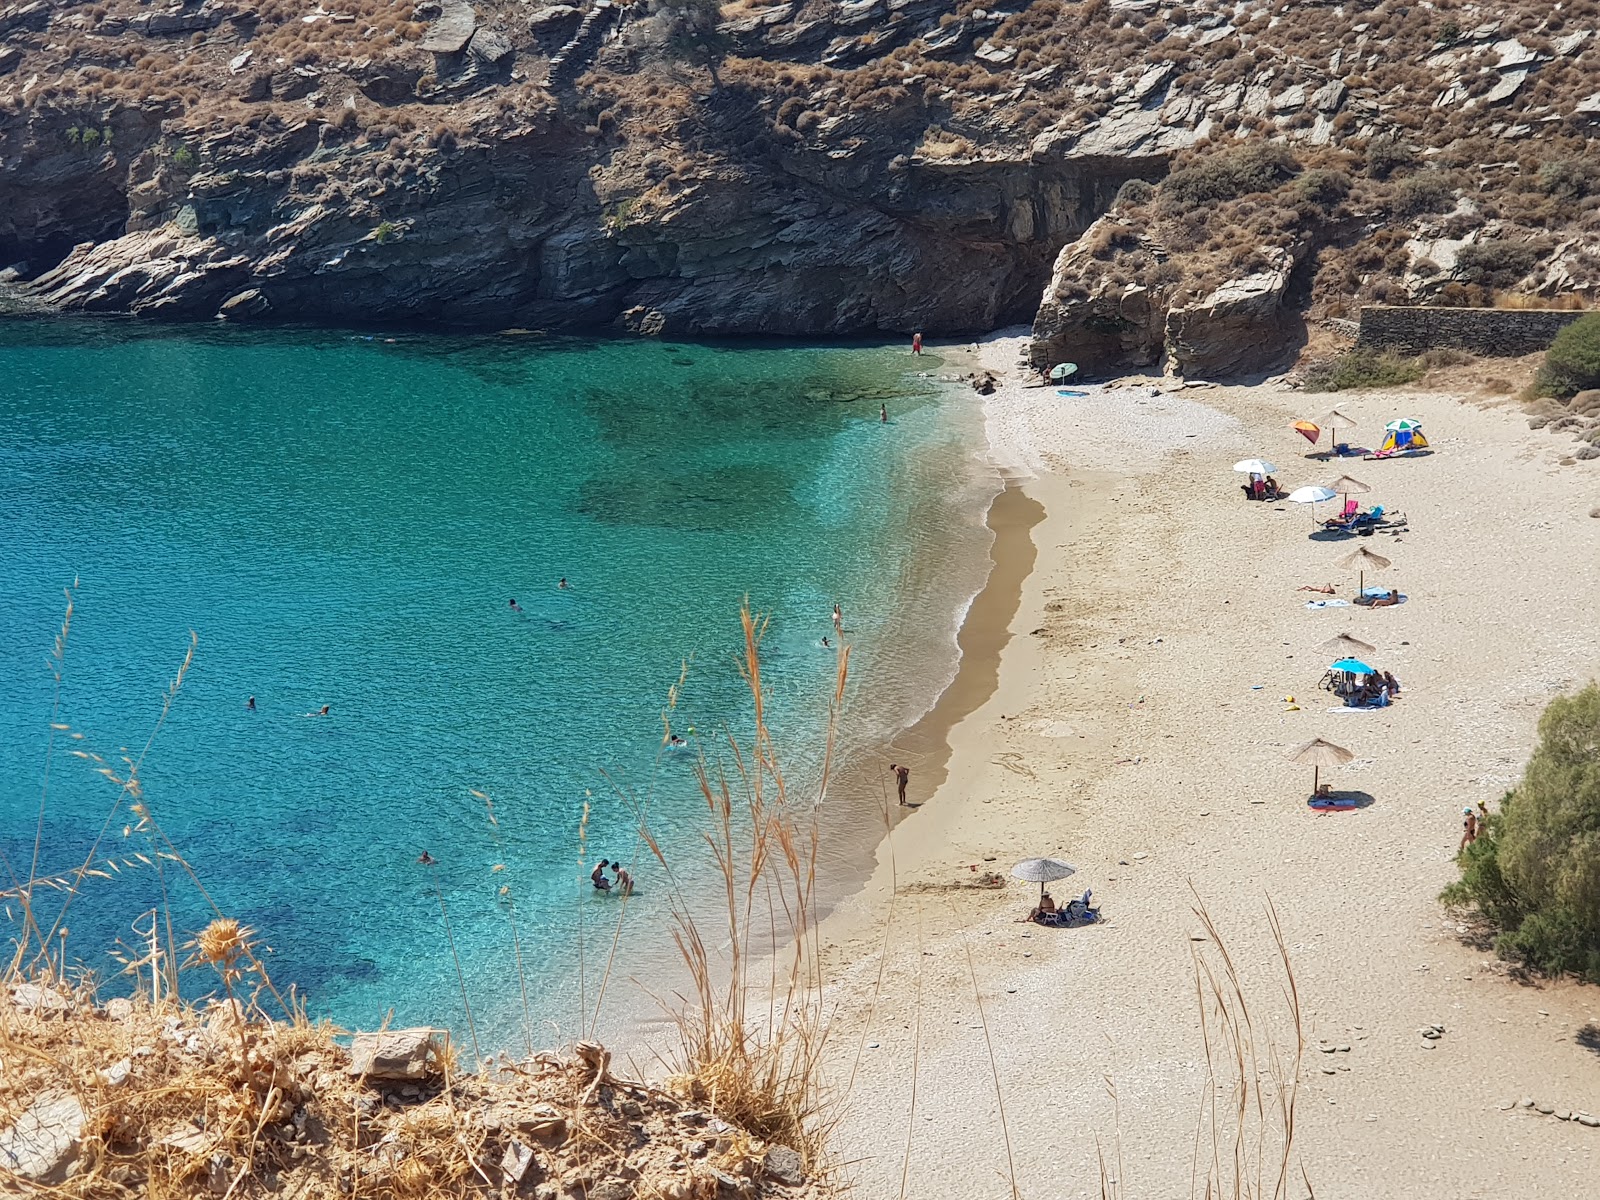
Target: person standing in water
column 916, row 343
column 838, row 619
column 883, row 413
column 598, row 876
column 902, row 776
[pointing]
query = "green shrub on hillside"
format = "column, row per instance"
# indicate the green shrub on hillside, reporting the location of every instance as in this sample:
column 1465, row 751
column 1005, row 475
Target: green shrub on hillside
column 1323, row 188
column 1362, row 369
column 1431, row 191
column 1498, row 262
column 1535, row 869
column 1387, row 154
column 1572, row 364
column 1228, row 175
column 1566, row 178
column 1134, row 193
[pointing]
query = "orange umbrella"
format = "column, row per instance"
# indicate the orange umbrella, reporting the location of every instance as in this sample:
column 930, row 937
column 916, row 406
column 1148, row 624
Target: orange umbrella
column 1309, row 430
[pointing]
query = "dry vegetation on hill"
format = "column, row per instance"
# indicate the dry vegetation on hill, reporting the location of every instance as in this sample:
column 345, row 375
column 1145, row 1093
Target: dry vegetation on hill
column 1433, row 153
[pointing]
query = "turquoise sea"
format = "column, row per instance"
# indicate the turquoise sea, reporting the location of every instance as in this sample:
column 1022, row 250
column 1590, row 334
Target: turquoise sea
column 342, row 520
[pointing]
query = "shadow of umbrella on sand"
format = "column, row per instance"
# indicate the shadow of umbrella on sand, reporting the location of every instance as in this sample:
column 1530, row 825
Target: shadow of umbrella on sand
column 1042, row 871
column 1345, row 646
column 1362, row 561
column 1317, row 754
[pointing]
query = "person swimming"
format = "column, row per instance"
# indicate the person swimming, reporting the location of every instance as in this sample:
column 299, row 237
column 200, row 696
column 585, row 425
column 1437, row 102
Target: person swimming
column 321, row 712
column 250, row 704
column 515, row 607
column 675, row 741
column 427, row 859
column 563, row 584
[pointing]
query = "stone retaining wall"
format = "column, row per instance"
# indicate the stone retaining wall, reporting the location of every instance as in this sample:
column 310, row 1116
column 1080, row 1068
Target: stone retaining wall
column 1500, row 332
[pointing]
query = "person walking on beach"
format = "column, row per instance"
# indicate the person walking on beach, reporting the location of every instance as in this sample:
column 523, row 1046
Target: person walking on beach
column 902, row 776
column 916, row 343
column 1469, row 829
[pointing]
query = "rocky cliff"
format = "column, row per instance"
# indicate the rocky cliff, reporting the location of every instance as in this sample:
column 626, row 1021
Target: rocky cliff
column 542, row 181
column 801, row 167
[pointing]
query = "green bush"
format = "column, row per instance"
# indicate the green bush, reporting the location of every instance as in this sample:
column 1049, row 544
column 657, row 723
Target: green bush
column 1572, row 364
column 1497, row 262
column 1534, row 871
column 1323, row 188
column 1387, row 154
column 1426, row 192
column 1229, row 174
column 1566, row 178
column 1134, row 193
column 1362, row 369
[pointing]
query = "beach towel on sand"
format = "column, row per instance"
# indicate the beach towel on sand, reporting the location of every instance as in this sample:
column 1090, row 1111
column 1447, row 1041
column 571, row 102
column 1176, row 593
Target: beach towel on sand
column 1327, row 603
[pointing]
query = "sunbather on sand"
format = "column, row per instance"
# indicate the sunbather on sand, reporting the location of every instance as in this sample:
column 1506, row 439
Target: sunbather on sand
column 1385, row 601
column 1046, row 905
column 1326, row 589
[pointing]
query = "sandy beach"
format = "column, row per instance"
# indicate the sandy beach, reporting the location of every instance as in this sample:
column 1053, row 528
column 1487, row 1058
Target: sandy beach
column 1135, row 724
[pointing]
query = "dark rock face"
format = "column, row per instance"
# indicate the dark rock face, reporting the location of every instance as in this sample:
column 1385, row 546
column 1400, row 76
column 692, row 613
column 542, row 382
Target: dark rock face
column 796, row 242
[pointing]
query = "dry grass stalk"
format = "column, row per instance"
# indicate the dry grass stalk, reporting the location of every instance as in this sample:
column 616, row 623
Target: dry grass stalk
column 1244, row 1140
column 759, row 1072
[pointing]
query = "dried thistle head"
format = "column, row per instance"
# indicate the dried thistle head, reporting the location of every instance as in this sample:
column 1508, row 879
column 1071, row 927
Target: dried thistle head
column 222, row 941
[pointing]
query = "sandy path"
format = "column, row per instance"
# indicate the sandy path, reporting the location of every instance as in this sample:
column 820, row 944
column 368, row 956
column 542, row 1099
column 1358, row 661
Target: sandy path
column 1125, row 735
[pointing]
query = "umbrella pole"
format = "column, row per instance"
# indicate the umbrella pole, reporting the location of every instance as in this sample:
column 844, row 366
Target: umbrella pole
column 1313, row 779
column 1041, row 891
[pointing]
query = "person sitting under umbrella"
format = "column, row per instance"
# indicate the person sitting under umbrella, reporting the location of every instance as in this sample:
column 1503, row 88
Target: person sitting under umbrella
column 1045, row 907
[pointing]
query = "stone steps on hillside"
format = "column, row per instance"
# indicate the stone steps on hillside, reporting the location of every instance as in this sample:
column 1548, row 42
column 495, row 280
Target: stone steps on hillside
column 570, row 61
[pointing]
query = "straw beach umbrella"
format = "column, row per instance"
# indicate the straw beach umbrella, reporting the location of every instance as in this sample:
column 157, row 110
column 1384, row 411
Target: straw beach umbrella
column 1346, row 486
column 1042, row 871
column 1345, row 646
column 1362, row 561
column 1316, row 754
column 1335, row 421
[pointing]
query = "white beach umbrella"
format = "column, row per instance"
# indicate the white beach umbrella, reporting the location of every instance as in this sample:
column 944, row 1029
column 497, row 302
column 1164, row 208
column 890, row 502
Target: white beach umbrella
column 1313, row 496
column 1255, row 466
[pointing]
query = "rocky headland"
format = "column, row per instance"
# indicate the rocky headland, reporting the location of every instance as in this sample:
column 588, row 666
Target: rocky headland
column 1145, row 181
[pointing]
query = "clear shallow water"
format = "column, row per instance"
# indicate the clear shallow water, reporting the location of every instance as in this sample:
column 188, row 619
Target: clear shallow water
column 343, row 521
